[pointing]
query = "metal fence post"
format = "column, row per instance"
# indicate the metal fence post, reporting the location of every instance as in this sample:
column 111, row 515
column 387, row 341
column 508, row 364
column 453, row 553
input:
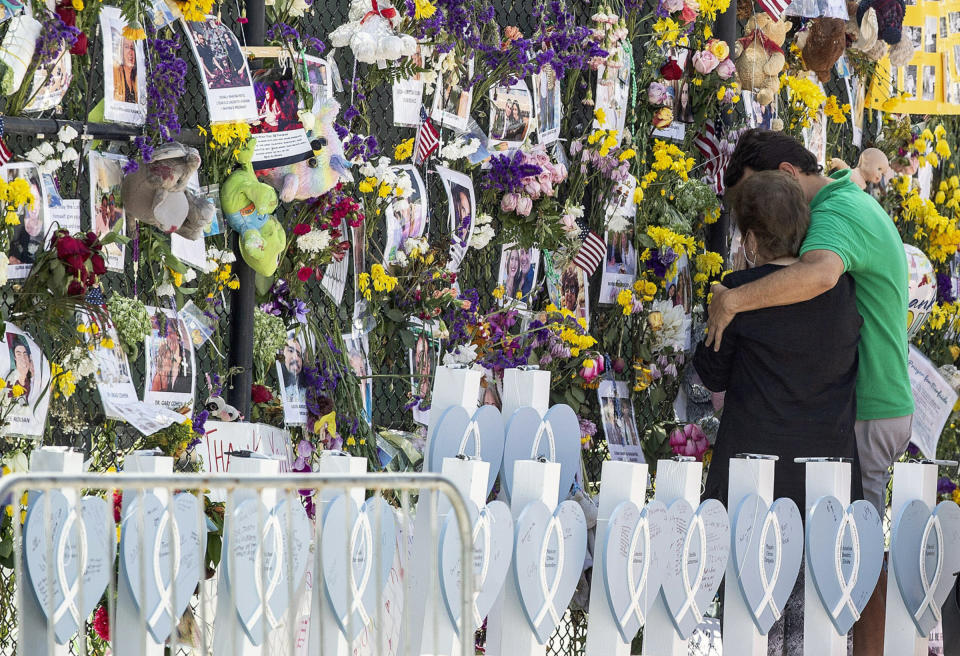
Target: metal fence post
column 243, row 300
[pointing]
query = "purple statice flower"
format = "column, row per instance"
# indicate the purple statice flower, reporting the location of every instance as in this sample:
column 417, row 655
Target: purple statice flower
column 166, row 85
column 659, row 261
column 912, row 450
column 945, row 289
column 55, row 37
column 507, row 172
column 199, row 421
column 131, row 166
column 350, row 113
column 945, row 486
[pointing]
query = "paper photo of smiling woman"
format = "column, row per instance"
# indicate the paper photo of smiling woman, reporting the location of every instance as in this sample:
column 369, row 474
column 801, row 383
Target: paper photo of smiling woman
column 124, row 71
column 26, row 378
column 169, row 362
column 28, row 236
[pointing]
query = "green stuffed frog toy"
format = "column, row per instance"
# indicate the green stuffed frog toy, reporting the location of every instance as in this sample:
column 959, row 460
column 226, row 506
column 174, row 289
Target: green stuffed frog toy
column 248, row 207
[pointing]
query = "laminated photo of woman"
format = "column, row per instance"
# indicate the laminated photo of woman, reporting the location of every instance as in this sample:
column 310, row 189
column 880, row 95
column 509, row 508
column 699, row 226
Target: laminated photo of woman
column 22, row 372
column 125, row 70
column 28, row 236
column 171, row 367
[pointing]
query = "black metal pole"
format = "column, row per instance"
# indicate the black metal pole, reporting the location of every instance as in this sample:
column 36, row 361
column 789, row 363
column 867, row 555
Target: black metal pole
column 243, row 300
column 725, row 29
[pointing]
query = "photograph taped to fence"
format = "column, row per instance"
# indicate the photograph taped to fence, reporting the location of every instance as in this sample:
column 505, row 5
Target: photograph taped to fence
column 28, row 236
column 124, row 71
column 170, row 366
column 280, row 137
column 407, row 217
column 548, row 103
column 27, row 380
column 290, row 375
column 223, row 70
column 511, row 115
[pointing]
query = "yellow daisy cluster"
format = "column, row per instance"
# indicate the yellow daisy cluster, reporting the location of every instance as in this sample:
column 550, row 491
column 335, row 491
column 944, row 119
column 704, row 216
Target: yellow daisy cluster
column 227, row 136
column 669, row 33
column 836, row 112
column 942, row 315
column 666, row 238
column 134, row 33
column 64, row 382
column 194, row 10
column 380, row 279
column 499, row 291
column 226, row 278
column 937, row 235
column 806, row 99
column 643, row 375
column 423, row 9
column 941, row 149
column 645, row 290
column 382, row 189
column 16, row 194
column 709, row 264
column 625, row 301
column 710, row 8
column 669, row 157
column 607, row 139
column 404, row 150
column 712, row 216
column 93, row 332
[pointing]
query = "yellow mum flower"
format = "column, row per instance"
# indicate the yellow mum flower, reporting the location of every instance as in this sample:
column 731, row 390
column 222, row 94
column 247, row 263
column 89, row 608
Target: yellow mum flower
column 77, row 5
column 403, row 150
column 366, row 185
column 134, row 33
column 629, row 153
column 600, row 115
column 18, row 390
column 423, row 9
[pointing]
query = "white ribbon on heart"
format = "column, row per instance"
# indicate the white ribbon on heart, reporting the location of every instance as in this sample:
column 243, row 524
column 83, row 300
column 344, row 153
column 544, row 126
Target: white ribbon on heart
column 769, row 583
column 550, row 592
column 70, row 595
column 930, row 588
column 642, row 528
column 165, row 604
column 362, row 527
column 846, row 586
column 545, row 427
column 272, row 528
column 472, row 430
column 482, row 526
column 689, row 589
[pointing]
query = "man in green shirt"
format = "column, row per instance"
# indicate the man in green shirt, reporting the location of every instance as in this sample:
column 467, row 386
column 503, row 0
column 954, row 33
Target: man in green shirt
column 849, row 233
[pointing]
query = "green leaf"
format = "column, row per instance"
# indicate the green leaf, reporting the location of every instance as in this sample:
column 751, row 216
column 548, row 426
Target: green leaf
column 408, row 339
column 395, row 315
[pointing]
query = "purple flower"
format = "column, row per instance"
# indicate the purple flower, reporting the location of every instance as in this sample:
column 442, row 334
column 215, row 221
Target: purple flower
column 945, row 486
column 55, row 37
column 507, row 172
column 659, row 262
column 945, row 289
column 199, row 421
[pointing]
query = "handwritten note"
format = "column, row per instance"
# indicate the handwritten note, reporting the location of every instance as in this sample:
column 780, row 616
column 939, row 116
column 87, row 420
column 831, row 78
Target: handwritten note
column 933, row 399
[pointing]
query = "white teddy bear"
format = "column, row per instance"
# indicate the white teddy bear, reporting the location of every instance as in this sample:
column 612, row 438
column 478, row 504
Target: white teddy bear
column 370, row 35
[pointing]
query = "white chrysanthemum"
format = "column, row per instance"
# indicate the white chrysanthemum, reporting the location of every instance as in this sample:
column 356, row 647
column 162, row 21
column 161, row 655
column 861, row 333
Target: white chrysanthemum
column 314, row 241
column 618, row 222
column 674, row 326
column 46, row 149
column 189, row 275
column 401, row 259
column 166, row 289
column 70, row 155
column 420, row 243
column 4, row 261
column 35, row 156
column 952, row 375
column 481, row 236
column 67, row 133
column 463, row 355
column 367, row 170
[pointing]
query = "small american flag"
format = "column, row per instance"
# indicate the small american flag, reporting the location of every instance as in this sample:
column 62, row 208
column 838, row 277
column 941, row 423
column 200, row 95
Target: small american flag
column 591, row 252
column 717, row 159
column 774, row 8
column 428, row 139
column 5, row 154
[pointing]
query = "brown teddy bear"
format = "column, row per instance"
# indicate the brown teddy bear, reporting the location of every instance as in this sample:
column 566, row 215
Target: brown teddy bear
column 157, row 193
column 760, row 58
column 822, row 44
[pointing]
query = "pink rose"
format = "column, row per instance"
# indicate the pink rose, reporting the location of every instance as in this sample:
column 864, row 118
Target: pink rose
column 546, row 188
column 524, row 206
column 689, row 441
column 671, row 6
column 532, row 188
column 509, row 202
column 569, row 224
column 689, row 14
column 559, row 174
column 705, row 61
column 726, row 69
column 657, row 94
column 545, row 177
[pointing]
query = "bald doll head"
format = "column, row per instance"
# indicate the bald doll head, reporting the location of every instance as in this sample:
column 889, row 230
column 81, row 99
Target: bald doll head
column 873, row 165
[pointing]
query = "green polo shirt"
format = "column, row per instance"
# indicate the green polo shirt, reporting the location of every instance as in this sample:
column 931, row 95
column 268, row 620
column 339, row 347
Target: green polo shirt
column 850, row 223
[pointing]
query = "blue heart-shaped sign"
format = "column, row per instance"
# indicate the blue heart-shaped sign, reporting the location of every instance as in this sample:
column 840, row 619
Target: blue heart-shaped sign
column 479, row 436
column 357, row 540
column 633, row 566
column 768, row 551
column 556, row 438
column 258, row 548
column 169, row 543
column 492, row 554
column 549, row 553
column 82, row 544
column 696, row 560
column 845, row 555
column 926, row 557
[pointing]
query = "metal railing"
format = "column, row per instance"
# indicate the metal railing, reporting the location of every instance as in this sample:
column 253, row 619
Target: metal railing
column 288, row 487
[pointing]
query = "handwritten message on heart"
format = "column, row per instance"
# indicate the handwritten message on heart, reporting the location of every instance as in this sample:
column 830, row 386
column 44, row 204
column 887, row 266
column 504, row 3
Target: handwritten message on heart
column 768, row 552
column 357, row 553
column 699, row 546
column 492, row 553
column 844, row 553
column 68, row 550
column 162, row 550
column 549, row 552
column 926, row 557
column 633, row 568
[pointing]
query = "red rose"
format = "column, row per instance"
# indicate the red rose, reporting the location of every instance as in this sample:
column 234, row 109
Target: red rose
column 75, row 288
column 304, row 273
column 67, row 246
column 80, row 45
column 260, row 394
column 99, row 266
column 74, row 264
column 301, row 229
column 671, row 70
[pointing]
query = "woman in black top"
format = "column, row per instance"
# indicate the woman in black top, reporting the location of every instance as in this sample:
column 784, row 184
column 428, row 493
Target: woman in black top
column 789, row 372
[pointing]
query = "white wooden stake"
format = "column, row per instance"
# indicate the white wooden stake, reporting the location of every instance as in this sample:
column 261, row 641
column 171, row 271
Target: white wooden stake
column 619, row 482
column 820, row 637
column 229, row 638
column 676, row 479
column 135, row 639
column 452, row 386
column 740, row 633
column 508, row 631
column 525, row 387
column 325, row 634
column 911, row 480
column 33, row 622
